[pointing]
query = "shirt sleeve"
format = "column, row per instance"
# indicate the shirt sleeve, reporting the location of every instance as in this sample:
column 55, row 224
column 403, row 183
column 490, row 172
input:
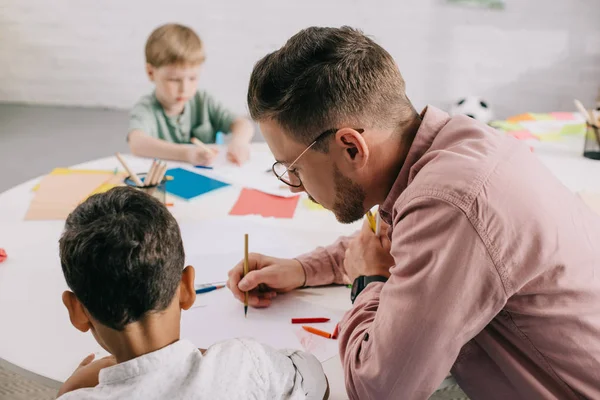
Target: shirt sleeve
column 401, row 338
column 142, row 118
column 220, row 117
column 325, row 265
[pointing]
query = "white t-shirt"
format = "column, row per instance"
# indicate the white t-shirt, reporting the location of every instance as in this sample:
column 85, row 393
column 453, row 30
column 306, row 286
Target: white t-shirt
column 234, row 369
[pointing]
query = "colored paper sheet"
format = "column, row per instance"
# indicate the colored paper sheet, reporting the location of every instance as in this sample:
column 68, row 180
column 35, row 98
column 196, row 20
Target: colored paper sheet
column 59, row 194
column 254, row 202
column 311, row 205
column 521, row 117
column 521, row 135
column 592, row 200
column 549, row 137
column 562, row 116
column 506, row 126
column 66, row 171
column 541, row 117
column 187, row 184
column 573, row 129
column 221, row 317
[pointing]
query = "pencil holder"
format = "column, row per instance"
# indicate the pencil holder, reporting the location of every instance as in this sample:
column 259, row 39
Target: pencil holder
column 157, row 191
column 592, row 142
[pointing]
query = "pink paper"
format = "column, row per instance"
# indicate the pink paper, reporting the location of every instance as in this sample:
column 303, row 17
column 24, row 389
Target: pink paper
column 562, row 116
column 521, row 135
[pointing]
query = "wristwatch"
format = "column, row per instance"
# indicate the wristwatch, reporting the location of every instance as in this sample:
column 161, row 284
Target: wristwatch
column 361, row 282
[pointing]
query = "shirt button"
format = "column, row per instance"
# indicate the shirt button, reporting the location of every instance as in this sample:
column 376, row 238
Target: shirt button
column 366, row 336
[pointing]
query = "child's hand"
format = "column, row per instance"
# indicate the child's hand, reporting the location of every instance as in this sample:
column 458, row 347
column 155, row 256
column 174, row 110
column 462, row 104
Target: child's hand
column 238, row 151
column 199, row 156
column 86, row 374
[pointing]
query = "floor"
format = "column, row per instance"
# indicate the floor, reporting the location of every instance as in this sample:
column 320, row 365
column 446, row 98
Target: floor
column 35, row 139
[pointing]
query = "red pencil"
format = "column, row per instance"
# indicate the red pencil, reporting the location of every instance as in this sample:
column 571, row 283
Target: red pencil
column 309, row 320
column 336, row 331
column 316, row 331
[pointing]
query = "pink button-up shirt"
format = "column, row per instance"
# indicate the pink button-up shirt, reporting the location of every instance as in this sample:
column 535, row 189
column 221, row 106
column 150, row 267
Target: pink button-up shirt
column 496, row 277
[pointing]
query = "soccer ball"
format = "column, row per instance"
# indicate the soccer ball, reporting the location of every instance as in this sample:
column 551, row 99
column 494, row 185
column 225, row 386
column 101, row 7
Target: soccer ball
column 474, row 107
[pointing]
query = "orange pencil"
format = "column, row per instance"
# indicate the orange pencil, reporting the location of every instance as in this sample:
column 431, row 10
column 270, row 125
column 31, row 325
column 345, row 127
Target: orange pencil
column 316, row 331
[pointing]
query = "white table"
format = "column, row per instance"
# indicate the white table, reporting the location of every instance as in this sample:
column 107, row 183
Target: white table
column 36, row 337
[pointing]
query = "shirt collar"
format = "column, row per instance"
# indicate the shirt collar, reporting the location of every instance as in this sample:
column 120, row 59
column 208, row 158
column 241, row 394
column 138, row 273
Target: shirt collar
column 433, row 120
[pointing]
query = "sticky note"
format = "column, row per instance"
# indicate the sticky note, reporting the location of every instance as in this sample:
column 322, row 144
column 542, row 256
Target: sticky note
column 311, row 205
column 254, row 202
column 573, row 129
column 541, row 117
column 521, row 135
column 521, row 117
column 506, row 126
column 562, row 116
column 550, row 137
column 187, row 184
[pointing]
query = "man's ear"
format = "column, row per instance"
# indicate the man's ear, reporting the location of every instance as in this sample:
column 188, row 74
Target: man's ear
column 354, row 145
column 77, row 315
column 150, row 70
column 187, row 291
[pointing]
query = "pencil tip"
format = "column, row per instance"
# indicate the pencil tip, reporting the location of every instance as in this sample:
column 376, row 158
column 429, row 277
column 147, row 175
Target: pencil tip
column 245, row 311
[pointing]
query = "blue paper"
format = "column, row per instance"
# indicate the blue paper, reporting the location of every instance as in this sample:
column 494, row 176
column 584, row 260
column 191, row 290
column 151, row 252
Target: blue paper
column 187, row 184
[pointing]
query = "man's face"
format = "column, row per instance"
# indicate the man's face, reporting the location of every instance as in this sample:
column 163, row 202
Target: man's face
column 320, row 174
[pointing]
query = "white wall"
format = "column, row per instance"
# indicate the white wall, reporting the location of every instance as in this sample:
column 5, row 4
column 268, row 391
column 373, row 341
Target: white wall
column 534, row 56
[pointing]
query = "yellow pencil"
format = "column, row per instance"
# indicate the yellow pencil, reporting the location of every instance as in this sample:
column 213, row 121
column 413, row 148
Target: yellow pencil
column 245, row 273
column 372, row 221
column 198, row 143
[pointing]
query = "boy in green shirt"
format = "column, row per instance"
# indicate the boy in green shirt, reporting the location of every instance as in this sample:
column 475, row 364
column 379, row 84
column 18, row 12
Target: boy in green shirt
column 163, row 123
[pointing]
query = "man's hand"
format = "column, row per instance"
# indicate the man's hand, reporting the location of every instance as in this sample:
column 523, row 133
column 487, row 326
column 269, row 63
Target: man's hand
column 197, row 155
column 86, row 374
column 267, row 276
column 368, row 254
column 238, row 151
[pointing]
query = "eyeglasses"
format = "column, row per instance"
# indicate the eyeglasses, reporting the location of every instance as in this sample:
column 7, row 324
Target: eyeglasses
column 288, row 175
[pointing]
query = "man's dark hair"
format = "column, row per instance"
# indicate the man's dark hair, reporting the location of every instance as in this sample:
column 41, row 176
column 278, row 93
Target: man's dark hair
column 122, row 255
column 324, row 77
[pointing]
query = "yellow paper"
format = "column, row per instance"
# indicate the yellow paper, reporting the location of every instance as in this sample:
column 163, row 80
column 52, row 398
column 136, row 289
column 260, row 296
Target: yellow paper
column 592, row 200
column 66, row 171
column 550, row 137
column 311, row 205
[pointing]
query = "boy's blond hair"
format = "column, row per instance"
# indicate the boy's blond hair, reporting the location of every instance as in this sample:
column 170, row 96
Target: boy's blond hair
column 174, row 44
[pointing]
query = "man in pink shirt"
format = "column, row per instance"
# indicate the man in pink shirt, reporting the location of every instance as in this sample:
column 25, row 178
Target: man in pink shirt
column 495, row 265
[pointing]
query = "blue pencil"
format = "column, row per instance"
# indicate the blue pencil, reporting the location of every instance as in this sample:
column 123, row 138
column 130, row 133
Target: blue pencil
column 203, row 167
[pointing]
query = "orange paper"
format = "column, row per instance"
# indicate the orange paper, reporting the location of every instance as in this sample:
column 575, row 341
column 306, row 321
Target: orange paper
column 521, row 117
column 256, row 202
column 58, row 195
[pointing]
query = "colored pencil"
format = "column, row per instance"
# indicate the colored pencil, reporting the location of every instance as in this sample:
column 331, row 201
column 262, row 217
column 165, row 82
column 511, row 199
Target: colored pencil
column 151, row 173
column 198, row 143
column 245, row 273
column 378, row 224
column 309, row 320
column 316, row 331
column 203, row 167
column 209, row 289
column 371, row 220
column 336, row 331
column 132, row 176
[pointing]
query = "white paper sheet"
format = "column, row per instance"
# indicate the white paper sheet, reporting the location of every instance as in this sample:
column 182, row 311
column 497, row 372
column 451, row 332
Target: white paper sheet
column 221, row 317
column 216, row 246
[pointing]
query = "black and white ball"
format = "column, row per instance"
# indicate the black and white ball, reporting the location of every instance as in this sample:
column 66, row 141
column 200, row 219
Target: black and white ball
column 474, row 107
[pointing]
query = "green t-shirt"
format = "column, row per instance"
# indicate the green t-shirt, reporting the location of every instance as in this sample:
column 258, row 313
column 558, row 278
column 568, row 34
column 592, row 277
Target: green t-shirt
column 202, row 118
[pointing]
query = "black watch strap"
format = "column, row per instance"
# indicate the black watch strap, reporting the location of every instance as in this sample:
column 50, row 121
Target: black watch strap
column 361, row 283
